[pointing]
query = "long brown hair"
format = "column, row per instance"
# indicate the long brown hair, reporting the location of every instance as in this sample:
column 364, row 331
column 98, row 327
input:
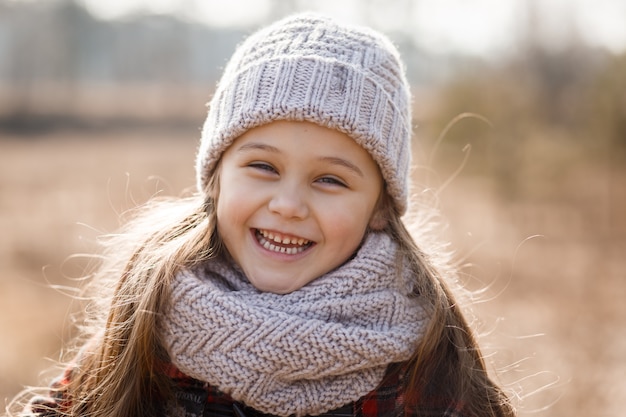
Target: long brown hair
column 117, row 372
column 448, row 365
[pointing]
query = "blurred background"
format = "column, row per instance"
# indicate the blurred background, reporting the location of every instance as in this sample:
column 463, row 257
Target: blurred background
column 520, row 115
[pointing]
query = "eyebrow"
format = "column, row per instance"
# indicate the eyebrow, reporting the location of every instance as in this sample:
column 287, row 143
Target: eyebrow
column 333, row 160
column 259, row 146
column 342, row 162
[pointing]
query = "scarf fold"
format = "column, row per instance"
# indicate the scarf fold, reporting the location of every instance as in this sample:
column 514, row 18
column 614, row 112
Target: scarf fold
column 303, row 353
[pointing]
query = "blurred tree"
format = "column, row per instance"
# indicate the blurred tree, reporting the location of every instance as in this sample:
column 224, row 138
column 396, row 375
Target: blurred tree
column 608, row 98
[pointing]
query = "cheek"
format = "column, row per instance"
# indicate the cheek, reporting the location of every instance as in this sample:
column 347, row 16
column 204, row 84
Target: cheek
column 346, row 225
column 353, row 211
column 231, row 209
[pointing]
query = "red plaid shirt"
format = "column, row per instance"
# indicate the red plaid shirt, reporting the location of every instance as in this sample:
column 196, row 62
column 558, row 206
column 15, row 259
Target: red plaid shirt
column 197, row 399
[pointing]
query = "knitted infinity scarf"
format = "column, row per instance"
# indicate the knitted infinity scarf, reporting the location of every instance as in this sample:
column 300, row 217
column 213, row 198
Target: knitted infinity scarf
column 304, row 353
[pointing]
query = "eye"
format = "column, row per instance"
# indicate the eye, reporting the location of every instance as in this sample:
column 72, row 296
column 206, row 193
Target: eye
column 331, row 181
column 262, row 166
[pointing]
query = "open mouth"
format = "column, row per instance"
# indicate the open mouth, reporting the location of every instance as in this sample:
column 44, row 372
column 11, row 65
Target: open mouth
column 279, row 243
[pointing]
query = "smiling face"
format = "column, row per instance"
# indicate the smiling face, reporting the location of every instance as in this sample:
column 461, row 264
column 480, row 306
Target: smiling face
column 295, row 200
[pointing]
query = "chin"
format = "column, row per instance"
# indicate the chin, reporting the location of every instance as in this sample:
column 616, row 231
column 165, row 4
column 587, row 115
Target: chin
column 274, row 287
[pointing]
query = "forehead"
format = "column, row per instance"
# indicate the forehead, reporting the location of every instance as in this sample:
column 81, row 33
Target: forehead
column 279, row 136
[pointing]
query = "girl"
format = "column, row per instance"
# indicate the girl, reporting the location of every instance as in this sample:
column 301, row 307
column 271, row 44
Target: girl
column 288, row 285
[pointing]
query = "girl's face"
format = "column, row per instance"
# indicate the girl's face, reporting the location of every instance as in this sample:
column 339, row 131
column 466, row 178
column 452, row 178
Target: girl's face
column 295, row 200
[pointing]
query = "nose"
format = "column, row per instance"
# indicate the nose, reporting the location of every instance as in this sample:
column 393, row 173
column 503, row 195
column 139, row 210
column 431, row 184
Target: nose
column 289, row 201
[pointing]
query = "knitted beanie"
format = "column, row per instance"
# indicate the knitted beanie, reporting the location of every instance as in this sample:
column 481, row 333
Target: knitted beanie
column 307, row 67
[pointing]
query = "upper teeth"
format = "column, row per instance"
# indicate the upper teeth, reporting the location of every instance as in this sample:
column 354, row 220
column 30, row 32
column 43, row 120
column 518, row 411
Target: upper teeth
column 283, row 239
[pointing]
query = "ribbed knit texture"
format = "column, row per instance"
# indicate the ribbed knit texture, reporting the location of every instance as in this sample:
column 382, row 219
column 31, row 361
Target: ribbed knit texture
column 303, row 353
column 309, row 67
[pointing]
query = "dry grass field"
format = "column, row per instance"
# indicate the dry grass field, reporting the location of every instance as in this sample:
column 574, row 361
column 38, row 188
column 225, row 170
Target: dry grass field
column 553, row 262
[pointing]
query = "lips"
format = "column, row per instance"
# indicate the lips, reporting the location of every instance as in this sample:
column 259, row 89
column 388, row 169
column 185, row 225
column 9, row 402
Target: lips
column 281, row 243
